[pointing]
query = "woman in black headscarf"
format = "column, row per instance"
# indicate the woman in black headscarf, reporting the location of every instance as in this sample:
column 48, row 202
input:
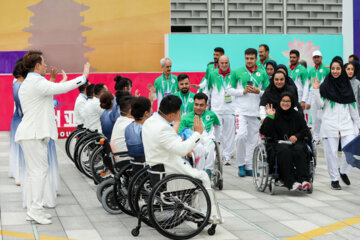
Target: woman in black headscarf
column 352, row 71
column 270, row 68
column 340, row 114
column 279, row 83
column 285, row 123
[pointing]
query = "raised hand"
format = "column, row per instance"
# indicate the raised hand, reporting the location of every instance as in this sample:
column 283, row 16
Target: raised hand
column 65, row 78
column 137, row 94
column 270, row 110
column 315, row 83
column 198, row 127
column 86, row 69
column 53, row 74
column 196, row 86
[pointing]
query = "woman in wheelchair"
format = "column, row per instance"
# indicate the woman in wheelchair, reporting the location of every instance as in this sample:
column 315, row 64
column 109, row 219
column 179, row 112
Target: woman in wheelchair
column 140, row 110
column 286, row 125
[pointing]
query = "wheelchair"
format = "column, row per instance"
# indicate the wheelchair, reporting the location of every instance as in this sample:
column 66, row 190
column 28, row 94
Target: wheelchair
column 112, row 191
column 71, row 141
column 176, row 205
column 265, row 173
column 217, row 173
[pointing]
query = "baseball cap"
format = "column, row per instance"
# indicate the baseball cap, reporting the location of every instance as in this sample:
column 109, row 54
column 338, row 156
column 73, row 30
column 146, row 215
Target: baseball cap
column 317, row 53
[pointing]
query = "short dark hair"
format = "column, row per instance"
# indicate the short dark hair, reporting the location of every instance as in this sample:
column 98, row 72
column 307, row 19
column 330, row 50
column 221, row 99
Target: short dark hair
column 182, row 76
column 267, row 49
column 303, row 63
column 90, row 90
column 200, row 96
column 170, row 104
column 83, row 87
column 139, row 105
column 251, row 51
column 294, row 51
column 106, row 100
column 220, row 50
column 356, row 58
column 98, row 88
column 31, row 58
column 119, row 95
column 125, row 104
column 19, row 69
column 121, row 83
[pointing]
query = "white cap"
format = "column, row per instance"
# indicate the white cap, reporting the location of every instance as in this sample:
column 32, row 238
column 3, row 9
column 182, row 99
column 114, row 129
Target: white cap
column 317, row 53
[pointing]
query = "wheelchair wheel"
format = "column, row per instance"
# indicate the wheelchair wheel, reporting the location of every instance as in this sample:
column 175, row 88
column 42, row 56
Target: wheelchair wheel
column 260, row 168
column 134, row 185
column 272, row 186
column 218, row 178
column 98, row 170
column 71, row 141
column 108, row 202
column 179, row 207
column 84, row 157
column 121, row 187
column 103, row 186
column 79, row 144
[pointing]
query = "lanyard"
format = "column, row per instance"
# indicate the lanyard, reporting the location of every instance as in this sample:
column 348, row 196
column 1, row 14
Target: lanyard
column 251, row 77
column 223, row 81
column 163, row 85
column 185, row 101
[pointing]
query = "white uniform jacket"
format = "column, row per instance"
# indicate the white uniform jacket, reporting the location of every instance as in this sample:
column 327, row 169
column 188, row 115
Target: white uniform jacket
column 36, row 98
column 340, row 118
column 93, row 112
column 79, row 109
column 163, row 145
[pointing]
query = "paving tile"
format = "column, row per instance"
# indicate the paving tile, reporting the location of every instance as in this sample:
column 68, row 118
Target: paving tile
column 300, row 226
column 83, row 234
column 13, row 218
column 75, row 223
column 279, row 214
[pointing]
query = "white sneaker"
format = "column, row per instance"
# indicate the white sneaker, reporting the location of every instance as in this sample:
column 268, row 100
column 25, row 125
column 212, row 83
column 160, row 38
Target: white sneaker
column 306, row 185
column 40, row 219
column 296, row 186
column 47, row 215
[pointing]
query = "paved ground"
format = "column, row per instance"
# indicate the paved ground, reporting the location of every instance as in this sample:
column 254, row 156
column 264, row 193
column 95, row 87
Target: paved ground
column 249, row 214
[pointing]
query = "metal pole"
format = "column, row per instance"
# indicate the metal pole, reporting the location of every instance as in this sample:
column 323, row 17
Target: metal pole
column 209, row 16
column 226, row 17
column 285, row 16
column 264, row 16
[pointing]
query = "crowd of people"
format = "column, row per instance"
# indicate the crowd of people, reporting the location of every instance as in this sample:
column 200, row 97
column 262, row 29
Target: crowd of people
column 232, row 106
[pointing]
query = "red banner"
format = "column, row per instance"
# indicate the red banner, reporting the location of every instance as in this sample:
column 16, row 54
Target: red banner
column 64, row 110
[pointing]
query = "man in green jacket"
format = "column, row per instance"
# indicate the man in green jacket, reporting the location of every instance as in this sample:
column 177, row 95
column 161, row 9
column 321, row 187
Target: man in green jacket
column 204, row 152
column 300, row 76
column 166, row 83
column 264, row 56
column 185, row 95
column 218, row 52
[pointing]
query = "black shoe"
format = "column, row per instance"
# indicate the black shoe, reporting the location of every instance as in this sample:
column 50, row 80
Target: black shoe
column 345, row 178
column 335, row 185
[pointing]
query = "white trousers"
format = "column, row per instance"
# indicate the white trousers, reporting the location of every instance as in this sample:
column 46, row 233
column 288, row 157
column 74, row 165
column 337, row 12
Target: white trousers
column 247, row 137
column 316, row 113
column 226, row 135
column 331, row 156
column 205, row 155
column 35, row 154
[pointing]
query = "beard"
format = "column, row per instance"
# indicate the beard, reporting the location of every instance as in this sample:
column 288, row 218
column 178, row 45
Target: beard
column 184, row 90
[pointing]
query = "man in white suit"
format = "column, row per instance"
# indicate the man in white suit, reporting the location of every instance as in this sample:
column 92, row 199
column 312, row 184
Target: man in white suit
column 38, row 126
column 162, row 145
